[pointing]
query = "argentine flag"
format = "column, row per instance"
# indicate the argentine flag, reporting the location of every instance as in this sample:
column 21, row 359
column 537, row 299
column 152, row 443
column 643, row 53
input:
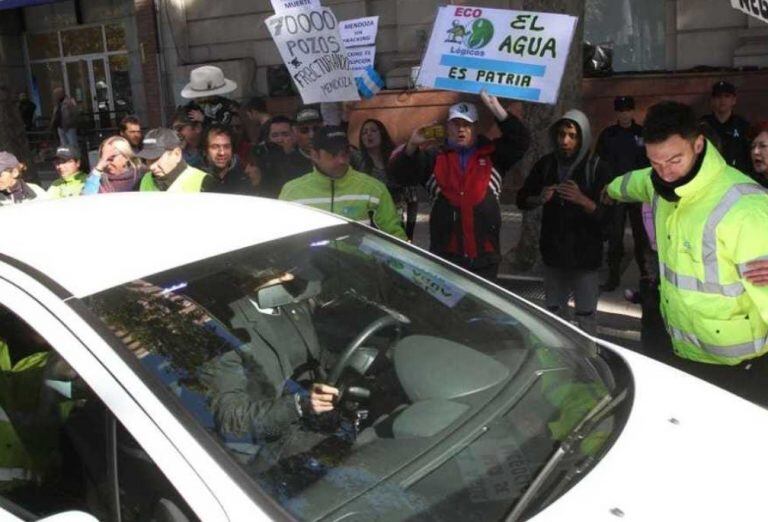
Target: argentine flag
column 369, row 83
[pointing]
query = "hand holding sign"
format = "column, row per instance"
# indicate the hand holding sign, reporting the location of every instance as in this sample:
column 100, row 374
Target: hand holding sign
column 311, row 47
column 492, row 102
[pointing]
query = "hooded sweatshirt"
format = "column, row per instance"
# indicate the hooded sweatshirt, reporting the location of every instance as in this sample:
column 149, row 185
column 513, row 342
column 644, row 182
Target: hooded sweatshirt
column 571, row 237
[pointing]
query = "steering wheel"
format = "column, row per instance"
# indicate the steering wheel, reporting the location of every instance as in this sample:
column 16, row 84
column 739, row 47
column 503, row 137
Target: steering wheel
column 391, row 318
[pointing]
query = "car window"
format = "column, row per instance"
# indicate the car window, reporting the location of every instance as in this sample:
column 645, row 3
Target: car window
column 448, row 388
column 62, row 448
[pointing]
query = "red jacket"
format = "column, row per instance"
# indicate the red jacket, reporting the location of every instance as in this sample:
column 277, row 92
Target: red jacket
column 466, row 217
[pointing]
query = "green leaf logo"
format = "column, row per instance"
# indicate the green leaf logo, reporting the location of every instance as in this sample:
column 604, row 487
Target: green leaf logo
column 481, row 35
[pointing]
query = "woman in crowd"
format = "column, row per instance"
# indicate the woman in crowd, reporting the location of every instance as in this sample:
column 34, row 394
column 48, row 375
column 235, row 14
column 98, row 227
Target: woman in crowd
column 13, row 189
column 759, row 153
column 118, row 169
column 376, row 147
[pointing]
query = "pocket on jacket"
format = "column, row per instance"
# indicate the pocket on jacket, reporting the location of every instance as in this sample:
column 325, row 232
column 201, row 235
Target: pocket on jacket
column 724, row 332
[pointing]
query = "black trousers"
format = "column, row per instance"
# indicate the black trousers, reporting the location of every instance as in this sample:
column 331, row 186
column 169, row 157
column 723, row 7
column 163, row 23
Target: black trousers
column 618, row 221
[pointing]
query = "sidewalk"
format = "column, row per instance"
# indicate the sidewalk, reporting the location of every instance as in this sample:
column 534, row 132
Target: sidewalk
column 618, row 319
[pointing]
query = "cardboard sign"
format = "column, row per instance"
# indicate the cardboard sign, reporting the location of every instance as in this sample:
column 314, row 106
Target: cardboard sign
column 281, row 5
column 311, row 47
column 511, row 54
column 360, row 58
column 360, row 32
column 755, row 8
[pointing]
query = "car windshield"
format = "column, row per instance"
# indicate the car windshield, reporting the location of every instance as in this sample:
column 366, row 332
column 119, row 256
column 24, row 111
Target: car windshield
column 453, row 396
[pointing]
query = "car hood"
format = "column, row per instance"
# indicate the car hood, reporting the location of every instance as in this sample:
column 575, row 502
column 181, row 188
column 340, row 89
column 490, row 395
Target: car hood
column 689, row 451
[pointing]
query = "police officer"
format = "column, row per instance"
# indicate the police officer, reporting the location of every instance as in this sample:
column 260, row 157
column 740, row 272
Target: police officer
column 168, row 172
column 706, row 215
column 731, row 128
column 621, row 147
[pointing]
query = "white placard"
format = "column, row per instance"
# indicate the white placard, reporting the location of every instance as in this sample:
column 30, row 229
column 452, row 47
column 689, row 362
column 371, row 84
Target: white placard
column 360, row 32
column 311, row 47
column 756, row 8
column 281, row 5
column 360, row 58
column 511, row 54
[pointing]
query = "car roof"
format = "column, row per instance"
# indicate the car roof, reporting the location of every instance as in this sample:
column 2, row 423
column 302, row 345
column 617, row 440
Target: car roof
column 91, row 243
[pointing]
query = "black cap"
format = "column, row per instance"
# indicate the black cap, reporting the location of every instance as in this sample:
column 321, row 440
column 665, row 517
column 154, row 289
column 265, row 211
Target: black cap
column 331, row 139
column 723, row 87
column 623, row 103
column 308, row 114
column 65, row 152
column 158, row 141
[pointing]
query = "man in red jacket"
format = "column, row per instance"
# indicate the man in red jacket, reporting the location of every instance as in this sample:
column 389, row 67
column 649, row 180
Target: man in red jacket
column 464, row 178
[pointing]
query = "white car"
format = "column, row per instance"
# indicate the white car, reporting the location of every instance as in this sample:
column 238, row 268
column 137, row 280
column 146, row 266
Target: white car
column 162, row 348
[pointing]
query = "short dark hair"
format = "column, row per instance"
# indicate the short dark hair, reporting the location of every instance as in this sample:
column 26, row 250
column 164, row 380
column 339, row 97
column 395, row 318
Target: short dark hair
column 217, row 129
column 668, row 118
column 130, row 119
column 278, row 119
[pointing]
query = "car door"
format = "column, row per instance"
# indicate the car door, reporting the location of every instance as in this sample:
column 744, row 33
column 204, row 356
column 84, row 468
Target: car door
column 119, row 435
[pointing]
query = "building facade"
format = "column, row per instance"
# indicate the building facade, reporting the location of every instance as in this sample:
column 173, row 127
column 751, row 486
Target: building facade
column 134, row 56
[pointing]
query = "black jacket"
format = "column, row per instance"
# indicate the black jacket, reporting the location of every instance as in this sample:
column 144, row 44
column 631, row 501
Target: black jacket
column 449, row 229
column 278, row 168
column 622, row 149
column 734, row 144
column 570, row 237
column 235, row 181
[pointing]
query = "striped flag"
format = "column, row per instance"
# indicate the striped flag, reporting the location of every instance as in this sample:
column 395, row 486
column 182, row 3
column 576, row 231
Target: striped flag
column 369, row 83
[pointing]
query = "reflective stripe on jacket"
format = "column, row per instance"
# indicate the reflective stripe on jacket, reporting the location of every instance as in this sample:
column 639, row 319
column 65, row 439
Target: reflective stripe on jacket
column 191, row 180
column 355, row 196
column 705, row 240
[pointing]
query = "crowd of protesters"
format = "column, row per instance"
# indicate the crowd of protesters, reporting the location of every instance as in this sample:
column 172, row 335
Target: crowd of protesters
column 213, row 144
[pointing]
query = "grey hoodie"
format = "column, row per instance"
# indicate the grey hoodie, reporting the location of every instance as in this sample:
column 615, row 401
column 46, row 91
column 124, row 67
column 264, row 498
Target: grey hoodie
column 585, row 129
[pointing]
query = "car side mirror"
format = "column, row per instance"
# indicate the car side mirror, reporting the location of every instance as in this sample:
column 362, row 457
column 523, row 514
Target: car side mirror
column 70, row 516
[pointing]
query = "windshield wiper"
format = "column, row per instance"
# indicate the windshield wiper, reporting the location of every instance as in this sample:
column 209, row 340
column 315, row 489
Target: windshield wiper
column 566, row 446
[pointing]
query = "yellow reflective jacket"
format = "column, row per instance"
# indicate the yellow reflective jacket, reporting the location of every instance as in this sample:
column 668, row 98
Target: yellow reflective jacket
column 190, row 180
column 19, row 387
column 705, row 240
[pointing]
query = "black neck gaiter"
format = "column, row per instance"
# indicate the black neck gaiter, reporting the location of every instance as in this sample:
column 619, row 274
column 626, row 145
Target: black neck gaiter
column 667, row 190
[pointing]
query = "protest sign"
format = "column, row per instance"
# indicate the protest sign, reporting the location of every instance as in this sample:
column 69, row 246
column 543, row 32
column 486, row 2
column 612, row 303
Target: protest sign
column 281, row 5
column 360, row 58
column 311, row 47
column 359, row 32
column 511, row 54
column 756, row 8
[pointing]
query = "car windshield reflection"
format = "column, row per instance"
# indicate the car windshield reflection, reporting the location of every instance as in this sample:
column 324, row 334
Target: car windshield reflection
column 452, row 395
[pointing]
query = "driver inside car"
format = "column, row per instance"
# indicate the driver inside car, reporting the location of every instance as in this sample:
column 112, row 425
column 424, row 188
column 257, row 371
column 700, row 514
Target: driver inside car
column 268, row 387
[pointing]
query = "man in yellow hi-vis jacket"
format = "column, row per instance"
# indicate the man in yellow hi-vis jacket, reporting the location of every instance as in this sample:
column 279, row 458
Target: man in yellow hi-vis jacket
column 710, row 221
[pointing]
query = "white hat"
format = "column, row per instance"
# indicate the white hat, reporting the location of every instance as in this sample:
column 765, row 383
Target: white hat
column 207, row 81
column 465, row 111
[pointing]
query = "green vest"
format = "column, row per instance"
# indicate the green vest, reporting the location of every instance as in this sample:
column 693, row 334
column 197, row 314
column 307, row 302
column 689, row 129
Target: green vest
column 355, row 196
column 191, row 180
column 67, row 187
column 705, row 241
